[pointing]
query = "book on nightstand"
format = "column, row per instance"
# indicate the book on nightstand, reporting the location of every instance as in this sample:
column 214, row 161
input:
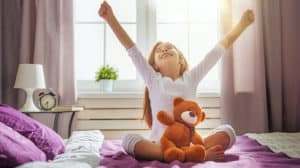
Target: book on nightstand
column 68, row 108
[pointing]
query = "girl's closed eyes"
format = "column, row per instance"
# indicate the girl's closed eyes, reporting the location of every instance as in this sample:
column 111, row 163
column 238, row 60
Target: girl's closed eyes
column 164, row 47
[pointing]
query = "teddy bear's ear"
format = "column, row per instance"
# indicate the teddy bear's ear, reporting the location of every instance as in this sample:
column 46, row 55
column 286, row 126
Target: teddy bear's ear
column 203, row 115
column 178, row 100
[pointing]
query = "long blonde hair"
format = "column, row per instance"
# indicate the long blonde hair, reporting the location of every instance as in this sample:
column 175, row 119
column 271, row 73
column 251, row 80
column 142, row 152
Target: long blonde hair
column 147, row 108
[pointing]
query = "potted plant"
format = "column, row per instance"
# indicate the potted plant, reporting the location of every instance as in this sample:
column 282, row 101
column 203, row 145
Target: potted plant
column 106, row 75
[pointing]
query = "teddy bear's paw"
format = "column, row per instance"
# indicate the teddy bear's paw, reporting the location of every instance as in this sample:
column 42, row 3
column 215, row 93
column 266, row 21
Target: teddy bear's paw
column 172, row 154
column 195, row 153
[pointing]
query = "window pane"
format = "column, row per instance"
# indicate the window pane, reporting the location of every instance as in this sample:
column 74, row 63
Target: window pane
column 177, row 34
column 208, row 84
column 116, row 54
column 203, row 37
column 88, row 50
column 86, row 10
column 124, row 10
column 203, row 11
column 171, row 10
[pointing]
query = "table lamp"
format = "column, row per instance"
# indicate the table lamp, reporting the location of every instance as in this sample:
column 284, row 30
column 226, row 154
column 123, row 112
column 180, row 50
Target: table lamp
column 30, row 77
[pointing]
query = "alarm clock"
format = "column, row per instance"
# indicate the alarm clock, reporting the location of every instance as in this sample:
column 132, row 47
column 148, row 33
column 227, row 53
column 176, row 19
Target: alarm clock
column 47, row 100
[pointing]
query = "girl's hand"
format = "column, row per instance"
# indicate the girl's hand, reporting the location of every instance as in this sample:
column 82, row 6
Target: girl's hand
column 247, row 18
column 105, row 11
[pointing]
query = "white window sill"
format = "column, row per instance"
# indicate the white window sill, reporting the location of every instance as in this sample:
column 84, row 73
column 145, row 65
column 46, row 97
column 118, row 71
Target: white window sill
column 129, row 95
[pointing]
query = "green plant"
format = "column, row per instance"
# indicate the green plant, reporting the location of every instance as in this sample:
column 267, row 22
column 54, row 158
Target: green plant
column 106, row 72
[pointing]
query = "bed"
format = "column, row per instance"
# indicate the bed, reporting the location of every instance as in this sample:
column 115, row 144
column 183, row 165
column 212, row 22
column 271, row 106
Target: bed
column 24, row 140
column 250, row 150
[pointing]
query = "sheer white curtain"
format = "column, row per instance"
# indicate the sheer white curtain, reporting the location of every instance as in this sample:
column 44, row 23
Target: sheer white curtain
column 243, row 90
column 260, row 85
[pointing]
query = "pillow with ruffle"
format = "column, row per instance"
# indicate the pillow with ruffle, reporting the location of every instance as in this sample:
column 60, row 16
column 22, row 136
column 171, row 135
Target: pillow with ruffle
column 43, row 137
column 16, row 149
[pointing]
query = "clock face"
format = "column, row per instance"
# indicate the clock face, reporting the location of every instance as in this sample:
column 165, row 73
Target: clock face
column 47, row 102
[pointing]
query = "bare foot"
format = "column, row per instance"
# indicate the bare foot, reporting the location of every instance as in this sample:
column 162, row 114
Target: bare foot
column 219, row 138
column 215, row 153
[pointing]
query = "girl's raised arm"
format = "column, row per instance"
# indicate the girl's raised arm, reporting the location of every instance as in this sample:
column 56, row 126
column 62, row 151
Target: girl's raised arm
column 146, row 71
column 107, row 14
column 246, row 19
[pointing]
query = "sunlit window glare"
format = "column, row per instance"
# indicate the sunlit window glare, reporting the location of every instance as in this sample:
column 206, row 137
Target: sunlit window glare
column 192, row 25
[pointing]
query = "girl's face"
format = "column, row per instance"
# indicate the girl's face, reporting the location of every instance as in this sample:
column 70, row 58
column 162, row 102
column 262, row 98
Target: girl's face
column 166, row 55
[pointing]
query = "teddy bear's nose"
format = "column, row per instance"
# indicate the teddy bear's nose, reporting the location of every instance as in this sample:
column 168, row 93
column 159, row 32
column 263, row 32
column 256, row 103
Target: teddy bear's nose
column 192, row 114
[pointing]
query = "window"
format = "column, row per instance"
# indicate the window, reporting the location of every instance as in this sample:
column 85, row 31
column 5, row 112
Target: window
column 191, row 25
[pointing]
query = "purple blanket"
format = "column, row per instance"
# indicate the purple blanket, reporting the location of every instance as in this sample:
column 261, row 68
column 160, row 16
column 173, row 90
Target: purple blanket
column 246, row 152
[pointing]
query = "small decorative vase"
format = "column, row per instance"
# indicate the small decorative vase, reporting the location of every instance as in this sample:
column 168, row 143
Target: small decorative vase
column 106, row 85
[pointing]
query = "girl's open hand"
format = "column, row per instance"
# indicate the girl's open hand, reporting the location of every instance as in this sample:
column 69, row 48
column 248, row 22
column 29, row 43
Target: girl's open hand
column 247, row 18
column 105, row 11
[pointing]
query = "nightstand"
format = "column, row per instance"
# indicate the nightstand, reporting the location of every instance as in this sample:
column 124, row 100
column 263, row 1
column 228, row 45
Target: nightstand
column 51, row 119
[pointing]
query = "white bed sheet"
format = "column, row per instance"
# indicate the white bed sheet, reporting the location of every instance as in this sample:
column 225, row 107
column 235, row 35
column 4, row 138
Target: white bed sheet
column 288, row 143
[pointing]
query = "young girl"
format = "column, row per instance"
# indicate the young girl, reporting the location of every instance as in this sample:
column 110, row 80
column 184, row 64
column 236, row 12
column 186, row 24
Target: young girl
column 166, row 77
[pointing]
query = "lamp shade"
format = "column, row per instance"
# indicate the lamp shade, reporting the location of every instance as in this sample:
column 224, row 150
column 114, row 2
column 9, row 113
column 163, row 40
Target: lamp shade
column 30, row 76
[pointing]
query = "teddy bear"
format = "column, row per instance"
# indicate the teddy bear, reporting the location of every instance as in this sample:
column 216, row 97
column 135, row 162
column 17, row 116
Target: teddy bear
column 180, row 141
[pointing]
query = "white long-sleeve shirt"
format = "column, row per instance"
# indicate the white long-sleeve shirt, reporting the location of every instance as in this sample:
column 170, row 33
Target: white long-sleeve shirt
column 162, row 89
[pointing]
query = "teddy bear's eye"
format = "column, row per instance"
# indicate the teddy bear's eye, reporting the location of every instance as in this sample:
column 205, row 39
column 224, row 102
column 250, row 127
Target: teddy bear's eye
column 189, row 117
column 192, row 114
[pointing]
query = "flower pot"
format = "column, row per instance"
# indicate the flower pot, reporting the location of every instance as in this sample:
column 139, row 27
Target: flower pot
column 106, row 85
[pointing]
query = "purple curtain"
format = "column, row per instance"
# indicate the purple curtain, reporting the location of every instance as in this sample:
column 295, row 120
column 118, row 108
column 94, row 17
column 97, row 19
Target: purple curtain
column 289, row 120
column 10, row 20
column 260, row 89
column 40, row 32
column 47, row 38
column 37, row 31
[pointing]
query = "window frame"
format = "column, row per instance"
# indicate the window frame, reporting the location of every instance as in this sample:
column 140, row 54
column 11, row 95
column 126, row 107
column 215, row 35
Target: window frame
column 146, row 33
